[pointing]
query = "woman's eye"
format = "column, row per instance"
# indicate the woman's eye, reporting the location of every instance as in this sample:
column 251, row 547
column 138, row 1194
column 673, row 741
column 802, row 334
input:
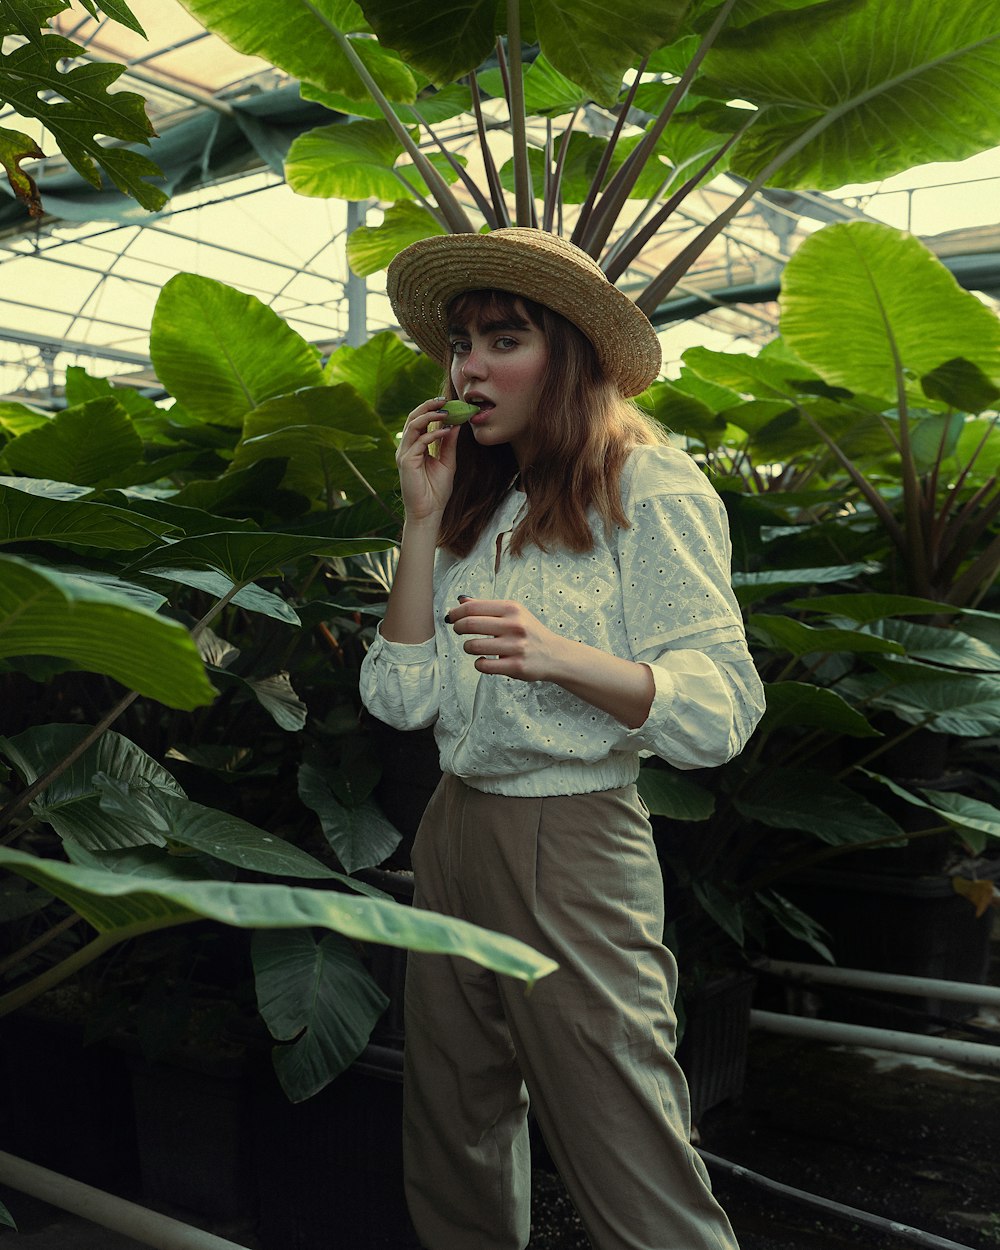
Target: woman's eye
column 459, row 347
column 505, row 342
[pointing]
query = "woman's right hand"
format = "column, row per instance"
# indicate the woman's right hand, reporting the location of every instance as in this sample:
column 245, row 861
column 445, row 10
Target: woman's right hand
column 426, row 480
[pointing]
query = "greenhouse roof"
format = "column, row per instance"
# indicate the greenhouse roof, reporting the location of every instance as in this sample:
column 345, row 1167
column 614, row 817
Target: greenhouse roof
column 80, row 284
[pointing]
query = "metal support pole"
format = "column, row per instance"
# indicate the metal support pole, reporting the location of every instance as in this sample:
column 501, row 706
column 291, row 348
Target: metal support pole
column 356, row 287
column 149, row 1227
column 886, row 982
column 880, row 1039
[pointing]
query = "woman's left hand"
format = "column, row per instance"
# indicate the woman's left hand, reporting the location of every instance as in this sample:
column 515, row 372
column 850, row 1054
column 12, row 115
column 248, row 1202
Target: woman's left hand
column 512, row 642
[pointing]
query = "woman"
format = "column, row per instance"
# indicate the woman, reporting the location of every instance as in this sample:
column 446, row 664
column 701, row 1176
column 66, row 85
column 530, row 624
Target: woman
column 561, row 604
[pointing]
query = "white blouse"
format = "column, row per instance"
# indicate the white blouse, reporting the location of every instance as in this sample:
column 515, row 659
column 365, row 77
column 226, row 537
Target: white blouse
column 657, row 592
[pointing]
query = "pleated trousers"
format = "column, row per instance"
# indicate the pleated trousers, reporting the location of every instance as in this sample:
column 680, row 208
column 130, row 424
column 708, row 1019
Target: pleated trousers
column 591, row 1046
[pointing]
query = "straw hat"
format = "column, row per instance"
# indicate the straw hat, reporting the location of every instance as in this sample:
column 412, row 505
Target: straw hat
column 427, row 275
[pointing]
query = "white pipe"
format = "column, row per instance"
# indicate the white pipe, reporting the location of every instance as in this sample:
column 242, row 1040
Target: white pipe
column 149, row 1227
column 880, row 1039
column 889, row 982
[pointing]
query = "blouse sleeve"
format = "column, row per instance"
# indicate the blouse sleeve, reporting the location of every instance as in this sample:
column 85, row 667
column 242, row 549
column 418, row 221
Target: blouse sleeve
column 399, row 682
column 683, row 619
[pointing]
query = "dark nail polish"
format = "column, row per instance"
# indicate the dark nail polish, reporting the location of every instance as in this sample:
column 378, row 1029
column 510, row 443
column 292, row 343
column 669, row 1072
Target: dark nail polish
column 447, row 618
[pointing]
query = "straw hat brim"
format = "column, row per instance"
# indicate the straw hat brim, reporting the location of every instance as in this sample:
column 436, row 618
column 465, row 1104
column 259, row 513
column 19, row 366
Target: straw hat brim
column 424, row 278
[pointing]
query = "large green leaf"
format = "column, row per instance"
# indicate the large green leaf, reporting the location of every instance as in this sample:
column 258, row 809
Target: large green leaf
column 801, row 703
column 374, row 369
column 244, row 556
column 301, row 37
column 352, row 161
column 578, row 39
column 940, row 645
column 813, row 802
column 167, row 816
column 85, row 445
column 857, row 295
column 795, row 921
column 17, row 418
column 887, row 84
column 221, row 352
column 319, row 432
column 975, row 821
column 784, row 633
column 318, row 996
column 43, row 612
column 76, row 107
column 371, row 248
column 360, row 836
column 255, row 492
column 71, row 803
column 749, row 587
column 673, row 795
column 29, row 517
column 253, row 598
column 962, row 385
column 865, row 608
column 949, row 702
column 322, row 431
column 274, row 693
column 120, row 905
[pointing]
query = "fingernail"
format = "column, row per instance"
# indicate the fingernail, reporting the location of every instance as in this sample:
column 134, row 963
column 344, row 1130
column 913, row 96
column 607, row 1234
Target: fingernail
column 463, row 598
column 447, row 618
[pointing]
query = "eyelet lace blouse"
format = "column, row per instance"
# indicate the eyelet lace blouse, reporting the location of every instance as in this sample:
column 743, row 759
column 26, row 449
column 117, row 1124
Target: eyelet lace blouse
column 657, row 592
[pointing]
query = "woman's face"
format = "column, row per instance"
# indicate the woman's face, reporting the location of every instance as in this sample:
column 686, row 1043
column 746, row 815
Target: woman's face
column 498, row 363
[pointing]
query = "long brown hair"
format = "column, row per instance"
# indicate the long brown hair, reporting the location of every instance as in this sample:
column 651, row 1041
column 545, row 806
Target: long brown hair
column 581, row 436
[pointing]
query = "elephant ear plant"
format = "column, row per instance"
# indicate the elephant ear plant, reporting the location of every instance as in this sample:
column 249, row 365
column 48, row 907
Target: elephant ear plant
column 599, row 125
column 184, row 593
column 601, row 128
column 858, row 455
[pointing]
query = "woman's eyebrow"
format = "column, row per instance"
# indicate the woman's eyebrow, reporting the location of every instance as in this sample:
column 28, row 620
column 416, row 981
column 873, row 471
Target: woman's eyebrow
column 492, row 327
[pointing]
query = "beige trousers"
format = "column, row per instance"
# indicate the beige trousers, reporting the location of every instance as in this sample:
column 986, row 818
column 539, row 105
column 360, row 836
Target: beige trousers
column 592, row 1044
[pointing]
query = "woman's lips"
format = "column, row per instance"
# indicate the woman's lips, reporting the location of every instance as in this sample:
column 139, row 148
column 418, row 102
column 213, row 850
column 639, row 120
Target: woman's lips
column 486, row 406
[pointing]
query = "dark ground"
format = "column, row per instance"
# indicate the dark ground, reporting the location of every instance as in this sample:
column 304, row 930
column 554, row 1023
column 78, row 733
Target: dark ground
column 914, row 1140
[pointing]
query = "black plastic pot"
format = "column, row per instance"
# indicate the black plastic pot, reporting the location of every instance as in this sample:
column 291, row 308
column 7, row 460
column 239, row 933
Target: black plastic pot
column 713, row 1048
column 882, row 922
column 192, row 1128
column 329, row 1170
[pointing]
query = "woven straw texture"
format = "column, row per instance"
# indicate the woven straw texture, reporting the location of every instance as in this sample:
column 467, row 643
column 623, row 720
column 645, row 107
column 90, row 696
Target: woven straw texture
column 427, row 275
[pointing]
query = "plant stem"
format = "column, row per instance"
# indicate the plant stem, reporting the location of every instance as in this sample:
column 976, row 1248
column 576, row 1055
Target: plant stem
column 451, row 209
column 524, row 200
column 885, row 746
column 610, row 205
column 482, row 203
column 22, row 800
column 66, row 968
column 492, row 177
column 40, row 942
column 368, row 487
column 831, row 852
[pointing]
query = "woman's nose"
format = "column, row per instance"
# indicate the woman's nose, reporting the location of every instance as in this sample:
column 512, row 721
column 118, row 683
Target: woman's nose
column 473, row 366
